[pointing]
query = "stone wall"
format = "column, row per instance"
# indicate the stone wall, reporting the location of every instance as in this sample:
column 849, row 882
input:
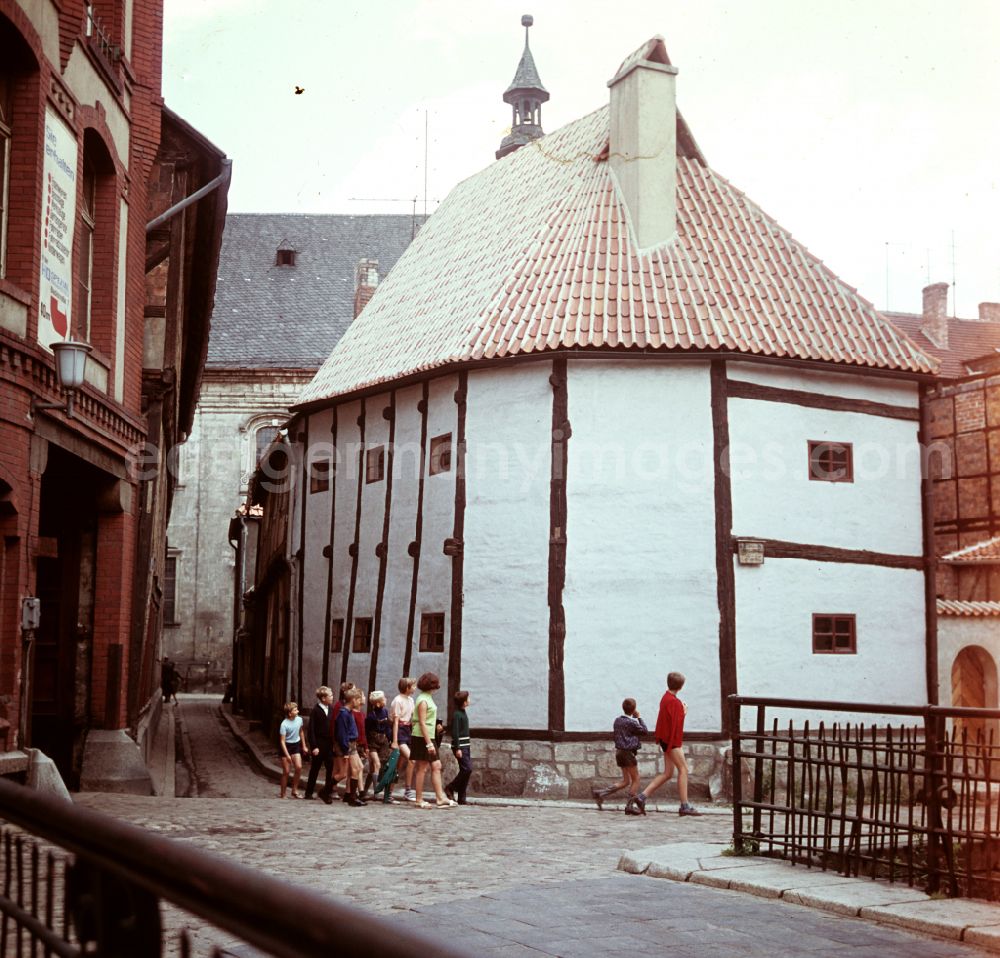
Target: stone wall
column 571, row 769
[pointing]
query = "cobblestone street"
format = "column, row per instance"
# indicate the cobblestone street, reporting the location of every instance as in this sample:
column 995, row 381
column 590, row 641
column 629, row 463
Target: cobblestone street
column 518, row 880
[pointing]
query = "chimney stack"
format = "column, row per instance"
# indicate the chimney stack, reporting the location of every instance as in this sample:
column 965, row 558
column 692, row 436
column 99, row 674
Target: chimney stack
column 643, row 147
column 989, row 312
column 935, row 324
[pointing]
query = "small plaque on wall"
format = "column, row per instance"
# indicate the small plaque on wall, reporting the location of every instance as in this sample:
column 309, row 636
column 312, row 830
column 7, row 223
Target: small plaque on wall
column 750, row 551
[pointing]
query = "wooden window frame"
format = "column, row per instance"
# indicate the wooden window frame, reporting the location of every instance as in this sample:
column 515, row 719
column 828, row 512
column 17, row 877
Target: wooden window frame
column 320, row 473
column 85, row 264
column 336, row 635
column 829, row 470
column 441, row 455
column 6, row 139
column 284, row 257
column 375, row 464
column 366, row 646
column 820, row 638
column 432, row 632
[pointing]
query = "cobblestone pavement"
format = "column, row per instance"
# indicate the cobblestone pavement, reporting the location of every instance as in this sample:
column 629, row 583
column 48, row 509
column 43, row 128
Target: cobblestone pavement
column 496, row 881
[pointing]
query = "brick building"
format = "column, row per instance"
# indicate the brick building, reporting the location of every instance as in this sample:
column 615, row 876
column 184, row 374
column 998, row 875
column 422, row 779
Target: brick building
column 964, row 430
column 89, row 160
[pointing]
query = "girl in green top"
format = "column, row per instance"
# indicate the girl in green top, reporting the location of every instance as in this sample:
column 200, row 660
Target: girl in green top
column 426, row 734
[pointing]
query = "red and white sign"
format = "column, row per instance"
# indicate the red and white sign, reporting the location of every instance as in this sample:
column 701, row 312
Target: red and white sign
column 55, row 293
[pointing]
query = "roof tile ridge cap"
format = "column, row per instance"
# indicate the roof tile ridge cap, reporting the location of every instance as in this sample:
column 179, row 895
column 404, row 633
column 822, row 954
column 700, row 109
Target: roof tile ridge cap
column 599, row 202
column 826, row 271
column 727, row 331
column 692, row 271
column 965, row 550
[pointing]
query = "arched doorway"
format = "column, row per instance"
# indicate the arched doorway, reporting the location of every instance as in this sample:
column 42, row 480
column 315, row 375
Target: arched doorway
column 974, row 685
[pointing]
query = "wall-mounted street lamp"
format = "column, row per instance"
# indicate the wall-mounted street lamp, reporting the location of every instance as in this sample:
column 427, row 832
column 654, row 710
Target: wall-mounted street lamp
column 71, row 364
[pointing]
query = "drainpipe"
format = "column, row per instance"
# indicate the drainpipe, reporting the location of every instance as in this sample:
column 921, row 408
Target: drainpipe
column 223, row 177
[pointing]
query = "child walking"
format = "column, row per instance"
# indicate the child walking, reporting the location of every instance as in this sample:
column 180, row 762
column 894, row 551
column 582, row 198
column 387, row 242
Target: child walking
column 669, row 734
column 461, row 747
column 628, row 729
column 346, row 744
column 378, row 731
column 401, row 713
column 292, row 739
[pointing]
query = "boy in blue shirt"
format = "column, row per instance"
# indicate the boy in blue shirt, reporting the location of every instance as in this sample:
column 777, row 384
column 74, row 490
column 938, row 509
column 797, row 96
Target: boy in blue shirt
column 628, row 728
column 346, row 743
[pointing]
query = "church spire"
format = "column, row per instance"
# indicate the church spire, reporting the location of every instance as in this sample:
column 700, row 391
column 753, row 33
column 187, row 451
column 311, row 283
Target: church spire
column 526, row 96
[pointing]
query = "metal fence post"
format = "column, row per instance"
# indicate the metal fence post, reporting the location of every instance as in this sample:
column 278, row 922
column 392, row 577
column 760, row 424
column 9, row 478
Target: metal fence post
column 737, row 784
column 932, row 775
column 758, row 774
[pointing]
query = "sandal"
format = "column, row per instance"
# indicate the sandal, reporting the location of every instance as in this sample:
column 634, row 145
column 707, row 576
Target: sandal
column 447, row 804
column 422, row 804
column 296, row 795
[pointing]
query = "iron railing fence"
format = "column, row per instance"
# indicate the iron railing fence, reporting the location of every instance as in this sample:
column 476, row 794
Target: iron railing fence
column 74, row 882
column 917, row 802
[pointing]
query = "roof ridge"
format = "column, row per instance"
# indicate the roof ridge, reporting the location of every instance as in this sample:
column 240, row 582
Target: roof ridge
column 975, row 547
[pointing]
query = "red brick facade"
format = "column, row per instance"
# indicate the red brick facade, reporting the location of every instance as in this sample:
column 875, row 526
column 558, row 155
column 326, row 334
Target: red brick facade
column 71, row 508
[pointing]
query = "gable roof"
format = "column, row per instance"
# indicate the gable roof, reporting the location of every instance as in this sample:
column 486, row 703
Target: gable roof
column 292, row 316
column 968, row 339
column 987, row 551
column 534, row 254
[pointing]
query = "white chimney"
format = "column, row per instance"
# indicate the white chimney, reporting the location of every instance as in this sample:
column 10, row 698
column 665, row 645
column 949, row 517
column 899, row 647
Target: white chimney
column 643, row 148
column 935, row 324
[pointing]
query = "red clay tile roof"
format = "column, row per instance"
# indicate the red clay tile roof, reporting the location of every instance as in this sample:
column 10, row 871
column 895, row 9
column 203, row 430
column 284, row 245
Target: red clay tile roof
column 988, row 551
column 534, row 254
column 968, row 339
column 960, row 607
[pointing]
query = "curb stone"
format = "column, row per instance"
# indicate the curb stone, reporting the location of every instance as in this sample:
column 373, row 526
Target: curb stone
column 974, row 922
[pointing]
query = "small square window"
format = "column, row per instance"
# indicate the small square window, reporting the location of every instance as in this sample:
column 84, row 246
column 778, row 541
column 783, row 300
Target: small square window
column 440, row 454
column 362, row 636
column 285, row 257
column 319, row 475
column 375, row 464
column 831, row 461
column 337, row 635
column 432, row 632
column 836, row 634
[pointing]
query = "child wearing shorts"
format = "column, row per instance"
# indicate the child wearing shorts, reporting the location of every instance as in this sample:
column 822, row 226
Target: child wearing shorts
column 292, row 739
column 378, row 731
column 346, row 744
column 628, row 729
column 401, row 713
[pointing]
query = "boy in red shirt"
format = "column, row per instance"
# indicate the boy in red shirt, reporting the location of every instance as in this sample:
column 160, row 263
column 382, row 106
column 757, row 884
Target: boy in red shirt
column 669, row 734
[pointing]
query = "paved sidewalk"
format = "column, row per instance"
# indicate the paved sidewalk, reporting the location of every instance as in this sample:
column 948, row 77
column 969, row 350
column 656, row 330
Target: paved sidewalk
column 974, row 922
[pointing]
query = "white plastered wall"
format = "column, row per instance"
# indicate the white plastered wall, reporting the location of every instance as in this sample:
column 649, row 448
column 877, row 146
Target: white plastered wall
column 348, row 445
column 773, row 497
column 505, row 635
column 315, row 566
column 640, row 596
column 369, row 536
column 775, row 603
column 893, row 392
column 402, row 531
column 434, row 578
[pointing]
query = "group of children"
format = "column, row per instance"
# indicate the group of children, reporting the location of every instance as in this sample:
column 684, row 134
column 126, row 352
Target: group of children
column 405, row 740
column 370, row 751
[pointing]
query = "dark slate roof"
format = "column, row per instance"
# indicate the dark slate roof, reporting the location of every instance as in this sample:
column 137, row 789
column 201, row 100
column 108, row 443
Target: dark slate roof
column 968, row 340
column 292, row 316
column 527, row 77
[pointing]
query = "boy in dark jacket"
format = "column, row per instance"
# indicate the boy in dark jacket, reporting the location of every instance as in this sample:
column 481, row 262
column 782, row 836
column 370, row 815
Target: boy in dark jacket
column 628, row 728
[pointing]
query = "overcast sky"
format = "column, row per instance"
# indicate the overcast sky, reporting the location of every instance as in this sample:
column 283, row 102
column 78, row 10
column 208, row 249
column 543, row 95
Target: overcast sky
column 855, row 123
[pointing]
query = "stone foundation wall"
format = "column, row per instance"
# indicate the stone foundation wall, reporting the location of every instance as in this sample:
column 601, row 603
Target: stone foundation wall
column 572, row 769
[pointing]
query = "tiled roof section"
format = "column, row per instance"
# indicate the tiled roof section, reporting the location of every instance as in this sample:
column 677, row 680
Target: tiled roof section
column 534, row 254
column 292, row 316
column 988, row 551
column 962, row 607
column 968, row 339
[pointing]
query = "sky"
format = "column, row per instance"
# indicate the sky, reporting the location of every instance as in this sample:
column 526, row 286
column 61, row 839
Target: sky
column 868, row 128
